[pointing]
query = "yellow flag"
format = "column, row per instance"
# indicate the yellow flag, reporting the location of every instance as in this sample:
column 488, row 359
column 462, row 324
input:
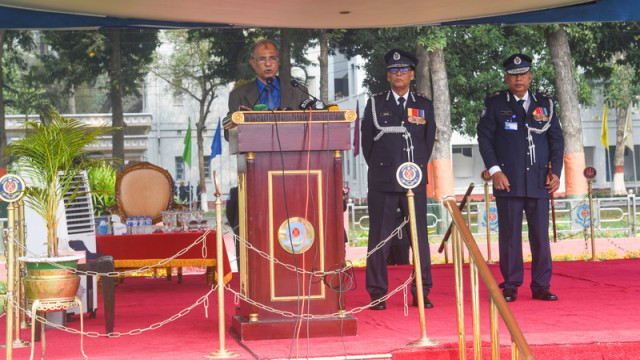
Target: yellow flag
column 604, row 135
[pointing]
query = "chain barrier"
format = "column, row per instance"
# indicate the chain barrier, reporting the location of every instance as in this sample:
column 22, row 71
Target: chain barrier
column 114, row 274
column 204, row 300
column 293, row 268
column 355, row 310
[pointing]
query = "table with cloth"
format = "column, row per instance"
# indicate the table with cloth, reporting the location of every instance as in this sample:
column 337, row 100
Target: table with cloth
column 136, row 251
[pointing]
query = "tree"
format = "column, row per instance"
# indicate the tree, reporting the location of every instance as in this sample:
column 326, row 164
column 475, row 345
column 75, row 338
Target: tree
column 9, row 41
column 568, row 111
column 610, row 56
column 82, row 56
column 188, row 70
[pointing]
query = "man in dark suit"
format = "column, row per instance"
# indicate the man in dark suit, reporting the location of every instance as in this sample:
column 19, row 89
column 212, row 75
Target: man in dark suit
column 398, row 126
column 264, row 61
column 519, row 135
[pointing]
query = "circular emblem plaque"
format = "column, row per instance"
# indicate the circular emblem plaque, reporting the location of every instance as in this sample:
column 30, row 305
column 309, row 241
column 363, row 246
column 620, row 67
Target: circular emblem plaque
column 409, row 175
column 296, row 235
column 590, row 172
column 11, row 188
column 485, row 176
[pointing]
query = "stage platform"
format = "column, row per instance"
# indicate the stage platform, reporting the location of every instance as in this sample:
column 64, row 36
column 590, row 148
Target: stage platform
column 596, row 317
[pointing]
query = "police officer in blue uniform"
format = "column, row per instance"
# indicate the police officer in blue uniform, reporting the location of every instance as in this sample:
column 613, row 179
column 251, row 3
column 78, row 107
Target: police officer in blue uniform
column 398, row 126
column 519, row 135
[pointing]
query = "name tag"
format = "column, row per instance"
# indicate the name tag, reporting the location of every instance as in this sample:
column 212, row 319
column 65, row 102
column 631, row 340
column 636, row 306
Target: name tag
column 510, row 125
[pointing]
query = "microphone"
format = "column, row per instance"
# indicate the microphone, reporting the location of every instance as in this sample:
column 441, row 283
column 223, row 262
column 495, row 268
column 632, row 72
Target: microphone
column 269, row 82
column 314, row 102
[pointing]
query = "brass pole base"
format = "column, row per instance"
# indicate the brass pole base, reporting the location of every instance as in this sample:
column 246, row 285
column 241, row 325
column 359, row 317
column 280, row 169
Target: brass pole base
column 425, row 341
column 18, row 343
column 222, row 354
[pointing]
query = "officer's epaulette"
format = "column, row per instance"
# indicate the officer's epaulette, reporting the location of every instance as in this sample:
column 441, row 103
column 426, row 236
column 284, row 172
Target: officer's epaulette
column 496, row 93
column 380, row 93
column 421, row 95
column 545, row 95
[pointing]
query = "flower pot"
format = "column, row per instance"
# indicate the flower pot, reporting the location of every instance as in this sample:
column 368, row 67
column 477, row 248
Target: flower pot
column 45, row 281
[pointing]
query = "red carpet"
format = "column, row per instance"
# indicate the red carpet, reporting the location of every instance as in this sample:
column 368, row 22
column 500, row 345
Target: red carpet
column 596, row 317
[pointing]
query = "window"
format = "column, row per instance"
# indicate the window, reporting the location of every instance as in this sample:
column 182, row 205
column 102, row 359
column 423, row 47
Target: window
column 462, row 159
column 180, row 168
column 207, row 167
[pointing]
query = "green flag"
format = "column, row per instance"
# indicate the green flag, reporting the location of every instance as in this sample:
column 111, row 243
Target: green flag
column 186, row 155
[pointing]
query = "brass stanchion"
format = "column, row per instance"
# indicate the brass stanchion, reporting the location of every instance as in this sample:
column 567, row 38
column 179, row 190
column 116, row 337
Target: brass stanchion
column 10, row 284
column 590, row 173
column 19, row 245
column 222, row 353
column 486, row 178
column 424, row 340
column 457, row 270
column 475, row 306
column 495, row 340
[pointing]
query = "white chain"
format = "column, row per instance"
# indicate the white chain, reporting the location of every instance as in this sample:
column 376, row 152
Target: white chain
column 293, row 268
column 204, row 299
column 160, row 263
column 290, row 314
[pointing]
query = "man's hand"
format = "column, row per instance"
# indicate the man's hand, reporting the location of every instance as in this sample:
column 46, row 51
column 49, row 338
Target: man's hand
column 553, row 183
column 500, row 181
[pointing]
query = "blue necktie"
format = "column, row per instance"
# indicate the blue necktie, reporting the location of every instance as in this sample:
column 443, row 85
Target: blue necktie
column 271, row 102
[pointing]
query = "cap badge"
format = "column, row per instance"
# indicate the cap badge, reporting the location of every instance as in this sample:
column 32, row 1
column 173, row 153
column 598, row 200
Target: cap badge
column 396, row 56
column 517, row 60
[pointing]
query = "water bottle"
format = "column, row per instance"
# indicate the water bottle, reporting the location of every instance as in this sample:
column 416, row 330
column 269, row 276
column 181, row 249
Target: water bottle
column 102, row 228
column 129, row 225
column 135, row 229
column 149, row 225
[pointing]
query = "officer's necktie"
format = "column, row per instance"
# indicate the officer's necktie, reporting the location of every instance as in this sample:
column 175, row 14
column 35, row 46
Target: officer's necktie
column 271, row 102
column 401, row 104
column 521, row 102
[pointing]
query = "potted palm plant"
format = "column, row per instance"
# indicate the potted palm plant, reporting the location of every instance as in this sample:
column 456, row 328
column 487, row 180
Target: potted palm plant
column 50, row 155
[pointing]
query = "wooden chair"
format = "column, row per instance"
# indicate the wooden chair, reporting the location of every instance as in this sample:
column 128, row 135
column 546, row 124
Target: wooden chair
column 144, row 189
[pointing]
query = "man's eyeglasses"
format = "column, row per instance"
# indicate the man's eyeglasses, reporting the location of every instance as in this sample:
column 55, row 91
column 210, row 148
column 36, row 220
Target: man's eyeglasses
column 263, row 59
column 404, row 70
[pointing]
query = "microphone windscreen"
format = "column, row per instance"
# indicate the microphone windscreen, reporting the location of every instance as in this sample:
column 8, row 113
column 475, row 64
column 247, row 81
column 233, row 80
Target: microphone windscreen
column 294, row 83
column 260, row 107
column 269, row 80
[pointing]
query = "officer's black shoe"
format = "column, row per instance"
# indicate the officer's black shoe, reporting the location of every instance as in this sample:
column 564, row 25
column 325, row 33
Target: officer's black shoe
column 427, row 303
column 545, row 295
column 510, row 295
column 380, row 305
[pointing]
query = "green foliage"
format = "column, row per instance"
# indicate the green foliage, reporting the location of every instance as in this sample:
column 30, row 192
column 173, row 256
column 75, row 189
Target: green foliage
column 80, row 57
column 102, row 182
column 50, row 155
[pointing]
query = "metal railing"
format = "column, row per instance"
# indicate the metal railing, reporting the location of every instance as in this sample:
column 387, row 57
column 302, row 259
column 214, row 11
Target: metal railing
column 462, row 235
column 613, row 214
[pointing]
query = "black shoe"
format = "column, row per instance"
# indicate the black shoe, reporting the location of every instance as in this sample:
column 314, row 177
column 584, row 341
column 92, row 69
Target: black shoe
column 510, row 295
column 545, row 295
column 427, row 303
column 380, row 305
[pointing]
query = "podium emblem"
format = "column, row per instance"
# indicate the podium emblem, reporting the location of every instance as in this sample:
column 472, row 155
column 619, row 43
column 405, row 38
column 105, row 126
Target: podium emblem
column 296, row 235
column 409, row 175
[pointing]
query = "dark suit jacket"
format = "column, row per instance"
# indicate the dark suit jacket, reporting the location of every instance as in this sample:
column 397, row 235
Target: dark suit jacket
column 385, row 155
column 502, row 139
column 247, row 94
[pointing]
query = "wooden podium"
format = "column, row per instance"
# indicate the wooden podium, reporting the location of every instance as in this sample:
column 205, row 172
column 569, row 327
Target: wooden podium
column 291, row 210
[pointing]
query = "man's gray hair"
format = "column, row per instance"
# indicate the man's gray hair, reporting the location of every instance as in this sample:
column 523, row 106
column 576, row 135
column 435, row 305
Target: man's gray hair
column 262, row 42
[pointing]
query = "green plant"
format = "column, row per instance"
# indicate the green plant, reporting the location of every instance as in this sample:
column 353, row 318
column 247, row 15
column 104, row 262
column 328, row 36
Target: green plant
column 51, row 154
column 102, row 181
